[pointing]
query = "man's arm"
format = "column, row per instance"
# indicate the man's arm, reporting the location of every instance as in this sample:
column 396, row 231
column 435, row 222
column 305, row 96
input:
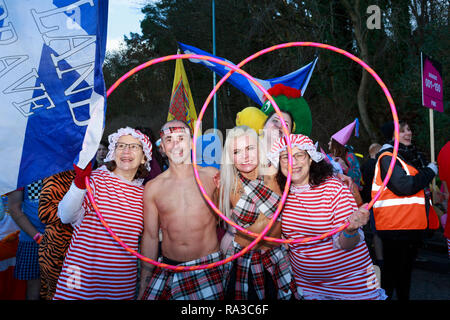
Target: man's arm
column 15, row 209
column 150, row 236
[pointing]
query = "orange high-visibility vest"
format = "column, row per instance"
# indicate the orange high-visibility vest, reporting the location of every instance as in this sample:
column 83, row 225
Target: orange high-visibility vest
column 393, row 212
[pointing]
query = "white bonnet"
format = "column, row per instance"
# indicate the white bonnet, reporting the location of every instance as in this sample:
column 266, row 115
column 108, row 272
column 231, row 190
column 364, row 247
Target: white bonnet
column 297, row 140
column 146, row 144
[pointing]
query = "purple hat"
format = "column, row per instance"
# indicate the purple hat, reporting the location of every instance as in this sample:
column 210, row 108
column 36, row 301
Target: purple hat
column 343, row 135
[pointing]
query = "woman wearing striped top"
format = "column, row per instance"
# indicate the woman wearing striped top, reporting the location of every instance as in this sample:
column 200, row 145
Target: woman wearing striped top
column 337, row 267
column 96, row 266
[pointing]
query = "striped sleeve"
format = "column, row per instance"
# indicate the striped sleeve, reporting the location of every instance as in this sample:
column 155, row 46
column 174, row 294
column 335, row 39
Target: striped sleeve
column 96, row 266
column 343, row 205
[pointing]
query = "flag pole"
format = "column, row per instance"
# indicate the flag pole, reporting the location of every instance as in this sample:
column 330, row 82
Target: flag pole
column 214, row 53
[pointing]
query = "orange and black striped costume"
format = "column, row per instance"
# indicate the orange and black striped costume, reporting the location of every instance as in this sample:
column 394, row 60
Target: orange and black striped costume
column 57, row 236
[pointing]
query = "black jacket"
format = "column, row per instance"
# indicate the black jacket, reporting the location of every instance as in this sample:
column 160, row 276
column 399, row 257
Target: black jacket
column 400, row 183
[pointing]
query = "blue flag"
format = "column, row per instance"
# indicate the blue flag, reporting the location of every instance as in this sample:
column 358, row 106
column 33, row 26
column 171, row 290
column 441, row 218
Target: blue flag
column 52, row 92
column 298, row 79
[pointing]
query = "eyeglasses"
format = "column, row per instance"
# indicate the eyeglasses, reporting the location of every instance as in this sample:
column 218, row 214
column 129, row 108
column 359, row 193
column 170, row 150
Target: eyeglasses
column 299, row 156
column 131, row 146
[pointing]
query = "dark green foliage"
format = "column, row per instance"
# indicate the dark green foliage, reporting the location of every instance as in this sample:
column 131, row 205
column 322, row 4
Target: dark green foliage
column 245, row 27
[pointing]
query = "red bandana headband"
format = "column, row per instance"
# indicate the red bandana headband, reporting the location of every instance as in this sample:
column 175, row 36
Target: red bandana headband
column 173, row 130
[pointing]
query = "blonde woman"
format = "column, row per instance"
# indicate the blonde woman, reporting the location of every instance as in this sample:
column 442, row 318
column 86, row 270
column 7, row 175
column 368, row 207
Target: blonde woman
column 249, row 200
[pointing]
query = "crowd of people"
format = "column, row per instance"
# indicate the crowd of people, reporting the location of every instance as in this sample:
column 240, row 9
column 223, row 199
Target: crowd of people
column 148, row 195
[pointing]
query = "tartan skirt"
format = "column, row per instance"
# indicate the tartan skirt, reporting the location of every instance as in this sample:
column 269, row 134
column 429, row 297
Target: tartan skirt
column 27, row 261
column 205, row 284
column 256, row 265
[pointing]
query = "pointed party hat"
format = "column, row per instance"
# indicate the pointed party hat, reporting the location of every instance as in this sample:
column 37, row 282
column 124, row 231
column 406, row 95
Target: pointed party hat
column 343, row 135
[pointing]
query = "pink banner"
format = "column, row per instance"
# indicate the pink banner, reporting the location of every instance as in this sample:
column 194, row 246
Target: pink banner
column 432, row 84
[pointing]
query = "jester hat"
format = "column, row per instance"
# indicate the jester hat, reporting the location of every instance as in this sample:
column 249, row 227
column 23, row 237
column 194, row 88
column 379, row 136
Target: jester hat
column 251, row 117
column 290, row 99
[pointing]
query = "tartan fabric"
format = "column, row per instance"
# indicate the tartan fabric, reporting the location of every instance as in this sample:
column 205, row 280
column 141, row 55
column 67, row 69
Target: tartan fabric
column 274, row 260
column 27, row 261
column 206, row 284
column 256, row 198
column 179, row 102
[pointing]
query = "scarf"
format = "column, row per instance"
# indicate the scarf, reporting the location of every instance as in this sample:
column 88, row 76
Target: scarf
column 255, row 199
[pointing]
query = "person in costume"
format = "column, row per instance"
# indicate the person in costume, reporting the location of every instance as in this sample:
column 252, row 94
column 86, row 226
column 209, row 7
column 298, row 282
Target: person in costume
column 294, row 109
column 269, row 129
column 290, row 100
column 96, row 266
column 402, row 213
column 443, row 160
column 343, row 155
column 297, row 116
column 10, row 288
column 338, row 267
column 295, row 112
column 174, row 204
column 250, row 200
column 273, row 130
column 57, row 236
column 23, row 204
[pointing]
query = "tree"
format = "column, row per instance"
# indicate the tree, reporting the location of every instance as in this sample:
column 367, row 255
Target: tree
column 339, row 89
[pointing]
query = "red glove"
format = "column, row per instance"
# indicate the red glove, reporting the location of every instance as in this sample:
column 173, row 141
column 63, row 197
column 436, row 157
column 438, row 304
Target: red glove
column 81, row 174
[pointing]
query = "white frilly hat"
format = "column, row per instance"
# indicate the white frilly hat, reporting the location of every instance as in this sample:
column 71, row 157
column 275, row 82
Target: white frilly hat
column 146, row 144
column 297, row 140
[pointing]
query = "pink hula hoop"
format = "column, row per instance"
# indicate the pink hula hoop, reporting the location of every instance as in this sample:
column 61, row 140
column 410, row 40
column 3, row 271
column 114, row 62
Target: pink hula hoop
column 301, row 44
column 234, row 69
column 266, row 229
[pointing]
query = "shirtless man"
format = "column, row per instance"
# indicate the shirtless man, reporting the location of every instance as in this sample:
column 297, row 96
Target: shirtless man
column 174, row 204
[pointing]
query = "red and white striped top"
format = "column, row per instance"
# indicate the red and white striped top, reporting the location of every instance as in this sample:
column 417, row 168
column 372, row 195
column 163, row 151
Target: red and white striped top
column 96, row 266
column 321, row 269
